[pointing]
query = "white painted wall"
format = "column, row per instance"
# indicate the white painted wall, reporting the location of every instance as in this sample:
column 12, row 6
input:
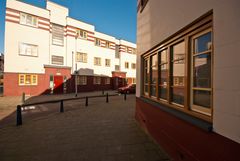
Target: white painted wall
column 161, row 19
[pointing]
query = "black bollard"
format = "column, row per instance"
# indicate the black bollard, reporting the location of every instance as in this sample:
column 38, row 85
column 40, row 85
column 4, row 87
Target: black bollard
column 86, row 103
column 61, row 106
column 107, row 98
column 23, row 98
column 19, row 115
column 125, row 95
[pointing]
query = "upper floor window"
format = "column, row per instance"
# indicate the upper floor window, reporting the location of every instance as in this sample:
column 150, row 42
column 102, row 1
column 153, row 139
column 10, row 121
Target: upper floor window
column 82, row 34
column 97, row 42
column 97, row 61
column 28, row 49
column 126, row 65
column 117, row 54
column 107, row 44
column 28, row 19
column 107, row 62
column 81, row 57
column 117, row 67
column 133, row 66
column 58, row 60
column 57, row 34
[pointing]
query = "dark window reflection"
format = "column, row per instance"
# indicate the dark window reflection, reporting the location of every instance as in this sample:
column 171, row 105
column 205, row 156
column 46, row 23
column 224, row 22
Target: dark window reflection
column 202, row 98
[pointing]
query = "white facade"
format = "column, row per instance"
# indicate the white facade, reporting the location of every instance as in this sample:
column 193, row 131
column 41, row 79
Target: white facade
column 41, row 36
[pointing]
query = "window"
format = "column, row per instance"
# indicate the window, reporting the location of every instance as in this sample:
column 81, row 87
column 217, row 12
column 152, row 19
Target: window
column 107, row 62
column 28, row 19
column 107, row 80
column 201, row 72
column 81, row 57
column 126, row 65
column 58, row 60
column 27, row 79
column 117, row 55
column 81, row 80
column 97, row 80
column 82, row 34
column 107, row 44
column 57, row 34
column 117, row 67
column 97, row 61
column 97, row 42
column 28, row 49
column 134, row 80
column 179, row 72
column 133, row 66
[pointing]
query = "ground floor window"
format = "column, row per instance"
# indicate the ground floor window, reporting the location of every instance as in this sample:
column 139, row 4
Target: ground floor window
column 81, row 80
column 27, row 79
column 179, row 71
column 97, row 80
column 107, row 80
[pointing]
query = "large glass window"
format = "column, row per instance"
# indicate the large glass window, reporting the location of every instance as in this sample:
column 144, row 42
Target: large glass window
column 178, row 73
column 202, row 72
column 154, row 74
column 163, row 74
column 81, row 57
column 146, row 75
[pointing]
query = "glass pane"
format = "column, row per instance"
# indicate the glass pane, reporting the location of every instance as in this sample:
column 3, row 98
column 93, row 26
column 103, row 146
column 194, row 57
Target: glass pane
column 202, row 71
column 178, row 74
column 153, row 90
column 146, row 88
column 163, row 56
column 202, row 98
column 179, row 51
column 154, row 75
column 163, row 75
column 154, row 60
column 203, row 43
column 178, row 95
column 163, row 92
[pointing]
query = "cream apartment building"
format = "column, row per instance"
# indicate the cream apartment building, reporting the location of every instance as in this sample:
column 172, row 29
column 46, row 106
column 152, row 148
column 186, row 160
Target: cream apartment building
column 45, row 49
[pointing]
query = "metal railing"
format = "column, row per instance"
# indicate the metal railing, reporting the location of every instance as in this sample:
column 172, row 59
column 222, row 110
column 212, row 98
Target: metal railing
column 19, row 107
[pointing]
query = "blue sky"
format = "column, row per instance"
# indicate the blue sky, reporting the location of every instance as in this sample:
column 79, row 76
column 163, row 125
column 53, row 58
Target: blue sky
column 112, row 17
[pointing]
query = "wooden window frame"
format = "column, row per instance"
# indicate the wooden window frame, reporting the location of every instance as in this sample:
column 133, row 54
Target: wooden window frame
column 97, row 80
column 203, row 25
column 31, row 81
column 107, row 80
column 82, row 80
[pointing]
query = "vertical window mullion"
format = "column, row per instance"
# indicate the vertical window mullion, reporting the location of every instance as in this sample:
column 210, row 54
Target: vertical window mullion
column 168, row 75
column 187, row 74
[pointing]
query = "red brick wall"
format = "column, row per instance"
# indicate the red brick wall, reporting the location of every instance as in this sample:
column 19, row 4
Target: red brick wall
column 11, row 87
column 182, row 140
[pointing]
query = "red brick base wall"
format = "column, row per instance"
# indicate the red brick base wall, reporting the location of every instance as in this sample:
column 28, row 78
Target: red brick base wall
column 182, row 140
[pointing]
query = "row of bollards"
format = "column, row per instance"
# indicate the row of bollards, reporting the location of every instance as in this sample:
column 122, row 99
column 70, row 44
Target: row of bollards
column 19, row 107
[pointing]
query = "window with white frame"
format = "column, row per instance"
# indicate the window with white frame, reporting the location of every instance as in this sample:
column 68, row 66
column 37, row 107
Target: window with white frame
column 27, row 79
column 82, row 34
column 81, row 57
column 81, row 80
column 28, row 19
column 58, row 60
column 97, row 61
column 107, row 80
column 107, row 62
column 28, row 49
column 57, row 34
column 97, row 80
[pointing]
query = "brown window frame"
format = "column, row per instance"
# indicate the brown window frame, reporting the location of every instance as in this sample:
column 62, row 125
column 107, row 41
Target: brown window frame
column 200, row 26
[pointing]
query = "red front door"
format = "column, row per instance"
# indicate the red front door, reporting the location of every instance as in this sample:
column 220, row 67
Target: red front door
column 58, row 84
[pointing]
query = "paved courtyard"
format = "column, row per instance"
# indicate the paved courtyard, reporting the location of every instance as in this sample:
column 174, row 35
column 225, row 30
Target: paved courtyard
column 100, row 132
